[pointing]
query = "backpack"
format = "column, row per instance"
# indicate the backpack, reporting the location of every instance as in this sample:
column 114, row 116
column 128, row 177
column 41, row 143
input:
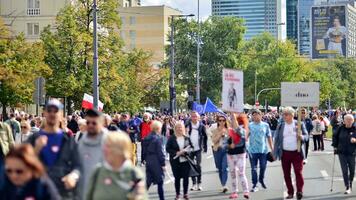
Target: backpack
column 318, row 126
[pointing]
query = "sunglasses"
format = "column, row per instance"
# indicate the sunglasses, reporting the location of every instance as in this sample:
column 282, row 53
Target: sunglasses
column 16, row 171
column 92, row 123
column 52, row 110
column 221, row 120
column 23, row 127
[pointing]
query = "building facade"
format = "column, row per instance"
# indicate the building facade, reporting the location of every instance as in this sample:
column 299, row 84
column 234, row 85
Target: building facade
column 147, row 28
column 30, row 16
column 259, row 15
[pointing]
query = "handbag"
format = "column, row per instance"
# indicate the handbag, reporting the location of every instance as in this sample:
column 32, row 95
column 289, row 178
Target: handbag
column 270, row 157
column 193, row 171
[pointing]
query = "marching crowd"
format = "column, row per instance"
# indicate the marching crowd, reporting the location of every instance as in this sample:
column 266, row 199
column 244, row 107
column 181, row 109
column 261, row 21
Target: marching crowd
column 94, row 156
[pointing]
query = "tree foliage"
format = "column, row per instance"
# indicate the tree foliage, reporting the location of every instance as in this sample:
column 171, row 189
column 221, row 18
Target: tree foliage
column 21, row 63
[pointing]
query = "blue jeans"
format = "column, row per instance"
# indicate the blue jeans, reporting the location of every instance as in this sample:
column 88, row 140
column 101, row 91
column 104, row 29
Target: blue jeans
column 254, row 158
column 221, row 163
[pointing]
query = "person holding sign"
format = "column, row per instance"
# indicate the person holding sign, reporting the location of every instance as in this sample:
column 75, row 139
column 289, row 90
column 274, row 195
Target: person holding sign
column 286, row 142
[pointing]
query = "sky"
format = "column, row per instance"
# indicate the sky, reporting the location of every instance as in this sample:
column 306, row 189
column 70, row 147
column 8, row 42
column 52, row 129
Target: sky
column 186, row 6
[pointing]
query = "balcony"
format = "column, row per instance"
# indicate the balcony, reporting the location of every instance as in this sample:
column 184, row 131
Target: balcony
column 33, row 11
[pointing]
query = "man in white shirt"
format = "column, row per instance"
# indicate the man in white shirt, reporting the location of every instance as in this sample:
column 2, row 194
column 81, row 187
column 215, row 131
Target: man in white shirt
column 286, row 149
column 198, row 137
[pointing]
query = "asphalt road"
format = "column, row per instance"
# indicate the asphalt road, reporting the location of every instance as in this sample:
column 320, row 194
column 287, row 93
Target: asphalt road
column 317, row 175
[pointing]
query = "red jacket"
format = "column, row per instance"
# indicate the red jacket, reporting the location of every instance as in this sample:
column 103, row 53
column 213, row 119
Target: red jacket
column 145, row 128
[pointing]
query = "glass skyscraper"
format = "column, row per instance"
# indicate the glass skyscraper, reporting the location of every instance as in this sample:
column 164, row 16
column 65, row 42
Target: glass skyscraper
column 259, row 15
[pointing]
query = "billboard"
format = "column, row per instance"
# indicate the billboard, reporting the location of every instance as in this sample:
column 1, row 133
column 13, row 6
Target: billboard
column 328, row 31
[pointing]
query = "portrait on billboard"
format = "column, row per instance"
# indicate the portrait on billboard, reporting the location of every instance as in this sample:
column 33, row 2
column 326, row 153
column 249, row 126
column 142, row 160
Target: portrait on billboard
column 329, row 31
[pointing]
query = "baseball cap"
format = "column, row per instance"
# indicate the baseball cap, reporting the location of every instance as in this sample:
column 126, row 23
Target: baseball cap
column 54, row 103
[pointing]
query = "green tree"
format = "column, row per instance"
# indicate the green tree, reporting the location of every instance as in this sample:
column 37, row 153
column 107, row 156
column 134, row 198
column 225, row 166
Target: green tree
column 221, row 37
column 21, row 63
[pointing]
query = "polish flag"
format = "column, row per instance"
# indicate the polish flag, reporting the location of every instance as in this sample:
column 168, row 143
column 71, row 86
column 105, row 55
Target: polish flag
column 88, row 102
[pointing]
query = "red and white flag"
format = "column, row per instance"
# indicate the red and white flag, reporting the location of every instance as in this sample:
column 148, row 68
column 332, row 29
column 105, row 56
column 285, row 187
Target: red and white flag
column 88, row 102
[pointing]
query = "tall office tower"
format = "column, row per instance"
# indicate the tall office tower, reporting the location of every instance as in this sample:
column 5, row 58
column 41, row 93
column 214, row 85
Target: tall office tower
column 259, row 15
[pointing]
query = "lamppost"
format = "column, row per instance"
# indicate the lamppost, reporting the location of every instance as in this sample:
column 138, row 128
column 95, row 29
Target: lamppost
column 172, row 89
column 95, row 58
column 198, row 56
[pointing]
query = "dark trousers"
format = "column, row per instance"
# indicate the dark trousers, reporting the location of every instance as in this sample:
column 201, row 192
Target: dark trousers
column 196, row 156
column 185, row 185
column 316, row 141
column 254, row 159
column 306, row 148
column 322, row 140
column 159, row 189
column 347, row 163
column 294, row 158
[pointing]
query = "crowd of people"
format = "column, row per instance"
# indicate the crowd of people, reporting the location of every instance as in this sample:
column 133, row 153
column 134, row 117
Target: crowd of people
column 93, row 155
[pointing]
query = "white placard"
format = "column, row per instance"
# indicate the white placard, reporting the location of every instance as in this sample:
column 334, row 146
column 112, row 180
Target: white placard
column 233, row 90
column 300, row 94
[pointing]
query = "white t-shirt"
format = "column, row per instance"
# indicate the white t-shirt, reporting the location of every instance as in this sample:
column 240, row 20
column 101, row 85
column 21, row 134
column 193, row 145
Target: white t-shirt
column 180, row 141
column 290, row 142
column 194, row 137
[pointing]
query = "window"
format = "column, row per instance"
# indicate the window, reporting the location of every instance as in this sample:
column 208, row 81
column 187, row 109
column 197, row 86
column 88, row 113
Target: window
column 122, row 34
column 123, row 20
column 132, row 20
column 133, row 35
column 33, row 29
column 33, row 7
column 132, row 45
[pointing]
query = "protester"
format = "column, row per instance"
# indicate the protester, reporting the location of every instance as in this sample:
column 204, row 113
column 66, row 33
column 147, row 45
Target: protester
column 73, row 124
column 316, row 132
column 90, row 145
column 6, row 141
column 14, row 125
column 145, row 126
column 117, row 177
column 109, row 124
column 133, row 131
column 324, row 130
column 197, row 134
column 124, row 123
column 34, row 128
column 259, row 133
column 219, row 139
column 336, row 121
column 153, row 157
column 82, row 124
column 344, row 143
column 25, row 133
column 309, row 126
column 63, row 125
column 236, row 154
column 25, row 177
column 179, row 147
column 58, row 152
column 286, row 148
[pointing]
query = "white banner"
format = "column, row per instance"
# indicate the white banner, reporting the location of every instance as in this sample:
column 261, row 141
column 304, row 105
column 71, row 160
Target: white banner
column 300, row 94
column 233, row 91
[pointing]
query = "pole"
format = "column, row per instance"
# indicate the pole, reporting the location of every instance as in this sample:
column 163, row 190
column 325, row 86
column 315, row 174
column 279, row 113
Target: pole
column 38, row 95
column 299, row 133
column 171, row 86
column 198, row 56
column 95, row 58
column 255, row 86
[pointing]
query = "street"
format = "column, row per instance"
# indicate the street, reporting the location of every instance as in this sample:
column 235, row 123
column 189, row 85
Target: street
column 317, row 174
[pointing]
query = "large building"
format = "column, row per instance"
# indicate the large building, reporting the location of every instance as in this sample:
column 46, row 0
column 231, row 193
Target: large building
column 30, row 16
column 147, row 28
column 259, row 15
column 143, row 27
column 298, row 21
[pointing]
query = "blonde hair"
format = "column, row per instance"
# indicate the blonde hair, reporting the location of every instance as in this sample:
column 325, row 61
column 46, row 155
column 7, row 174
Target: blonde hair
column 119, row 143
column 179, row 123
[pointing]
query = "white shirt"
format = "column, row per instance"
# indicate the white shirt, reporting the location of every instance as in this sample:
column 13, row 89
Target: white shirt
column 290, row 142
column 180, row 141
column 194, row 137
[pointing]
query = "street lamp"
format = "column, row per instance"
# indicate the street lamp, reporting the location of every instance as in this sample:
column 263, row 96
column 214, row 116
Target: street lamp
column 172, row 89
column 198, row 56
column 95, row 58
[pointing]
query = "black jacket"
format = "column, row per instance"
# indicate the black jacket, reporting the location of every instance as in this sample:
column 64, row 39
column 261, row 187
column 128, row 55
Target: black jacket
column 203, row 138
column 68, row 160
column 172, row 148
column 39, row 189
column 164, row 130
column 342, row 140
